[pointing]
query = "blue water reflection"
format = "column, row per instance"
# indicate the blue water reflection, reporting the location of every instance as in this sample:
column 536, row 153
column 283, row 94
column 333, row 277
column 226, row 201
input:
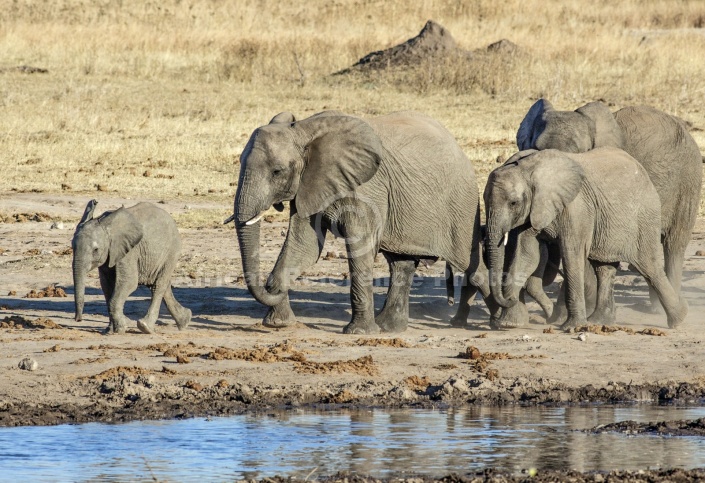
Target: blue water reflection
column 376, row 442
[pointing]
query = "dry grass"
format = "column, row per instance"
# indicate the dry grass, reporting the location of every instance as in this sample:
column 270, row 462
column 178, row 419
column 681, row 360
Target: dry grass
column 156, row 99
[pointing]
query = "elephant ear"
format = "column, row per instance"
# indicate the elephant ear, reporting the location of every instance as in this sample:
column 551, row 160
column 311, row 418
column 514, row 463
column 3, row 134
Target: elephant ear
column 88, row 212
column 533, row 124
column 283, row 118
column 124, row 233
column 607, row 131
column 555, row 180
column 345, row 152
column 516, row 157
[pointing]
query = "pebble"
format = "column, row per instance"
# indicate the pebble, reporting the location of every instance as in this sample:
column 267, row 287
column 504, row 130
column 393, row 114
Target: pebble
column 582, row 337
column 57, row 225
column 28, row 364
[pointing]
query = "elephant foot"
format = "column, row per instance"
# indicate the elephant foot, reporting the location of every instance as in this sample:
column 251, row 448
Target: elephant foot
column 183, row 320
column 361, row 327
column 572, row 323
column 392, row 321
column 145, row 326
column 459, row 321
column 511, row 317
column 559, row 315
column 674, row 320
column 279, row 316
column 115, row 328
column 603, row 317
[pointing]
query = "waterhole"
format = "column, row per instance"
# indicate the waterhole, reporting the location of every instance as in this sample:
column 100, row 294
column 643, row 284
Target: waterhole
column 375, row 442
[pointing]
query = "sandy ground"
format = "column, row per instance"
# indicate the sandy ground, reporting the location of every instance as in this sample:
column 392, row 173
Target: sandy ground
column 226, row 361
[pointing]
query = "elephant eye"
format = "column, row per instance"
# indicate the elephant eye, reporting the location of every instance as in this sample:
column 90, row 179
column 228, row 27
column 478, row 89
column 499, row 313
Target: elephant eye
column 512, row 203
column 276, row 172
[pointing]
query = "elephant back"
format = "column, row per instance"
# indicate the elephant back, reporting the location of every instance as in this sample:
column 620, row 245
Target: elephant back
column 668, row 153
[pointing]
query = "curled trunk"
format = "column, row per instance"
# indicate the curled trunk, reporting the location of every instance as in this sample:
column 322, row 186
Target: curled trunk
column 496, row 267
column 79, row 287
column 249, row 238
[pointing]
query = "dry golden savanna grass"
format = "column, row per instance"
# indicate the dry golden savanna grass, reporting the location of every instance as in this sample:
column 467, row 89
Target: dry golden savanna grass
column 157, row 99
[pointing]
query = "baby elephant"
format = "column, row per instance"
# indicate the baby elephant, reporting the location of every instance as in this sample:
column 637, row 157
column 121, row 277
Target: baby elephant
column 132, row 246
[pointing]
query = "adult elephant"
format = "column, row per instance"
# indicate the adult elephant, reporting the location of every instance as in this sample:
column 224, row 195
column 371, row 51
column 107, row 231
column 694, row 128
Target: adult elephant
column 399, row 184
column 660, row 142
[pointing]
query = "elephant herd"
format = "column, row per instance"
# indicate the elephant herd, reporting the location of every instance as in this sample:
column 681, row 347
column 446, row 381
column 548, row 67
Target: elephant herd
column 587, row 190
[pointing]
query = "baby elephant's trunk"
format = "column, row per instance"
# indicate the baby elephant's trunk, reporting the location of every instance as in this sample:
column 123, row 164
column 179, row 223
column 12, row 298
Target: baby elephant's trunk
column 79, row 284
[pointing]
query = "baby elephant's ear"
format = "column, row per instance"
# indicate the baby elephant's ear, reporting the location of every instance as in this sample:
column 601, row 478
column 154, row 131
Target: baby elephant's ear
column 283, row 118
column 124, row 232
column 556, row 181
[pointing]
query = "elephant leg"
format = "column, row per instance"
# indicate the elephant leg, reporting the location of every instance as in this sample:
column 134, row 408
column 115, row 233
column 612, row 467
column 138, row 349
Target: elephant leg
column 302, row 247
column 394, row 316
column 605, row 310
column 674, row 247
column 534, row 287
column 676, row 307
column 560, row 309
column 146, row 323
column 107, row 284
column 125, row 284
column 574, row 258
column 467, row 294
column 181, row 314
column 361, row 257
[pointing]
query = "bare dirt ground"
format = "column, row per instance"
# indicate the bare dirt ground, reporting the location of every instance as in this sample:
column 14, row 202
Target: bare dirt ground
column 226, row 361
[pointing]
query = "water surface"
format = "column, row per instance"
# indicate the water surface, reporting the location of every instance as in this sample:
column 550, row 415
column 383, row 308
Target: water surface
column 376, row 442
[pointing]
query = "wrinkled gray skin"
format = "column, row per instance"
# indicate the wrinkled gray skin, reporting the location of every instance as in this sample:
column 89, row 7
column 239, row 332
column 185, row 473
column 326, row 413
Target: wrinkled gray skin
column 600, row 206
column 132, row 246
column 660, row 142
column 399, row 184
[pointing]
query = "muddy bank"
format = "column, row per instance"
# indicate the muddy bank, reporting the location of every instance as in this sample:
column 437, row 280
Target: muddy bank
column 491, row 476
column 694, row 427
column 130, row 393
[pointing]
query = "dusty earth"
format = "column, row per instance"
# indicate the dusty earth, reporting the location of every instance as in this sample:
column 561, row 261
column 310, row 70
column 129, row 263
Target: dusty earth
column 227, row 362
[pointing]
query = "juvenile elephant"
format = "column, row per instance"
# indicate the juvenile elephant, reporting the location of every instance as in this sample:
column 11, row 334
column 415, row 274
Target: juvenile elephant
column 132, row 246
column 399, row 184
column 660, row 142
column 600, row 206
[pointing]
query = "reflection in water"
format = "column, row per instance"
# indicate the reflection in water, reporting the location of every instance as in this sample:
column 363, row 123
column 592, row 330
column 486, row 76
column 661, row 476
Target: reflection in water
column 376, row 442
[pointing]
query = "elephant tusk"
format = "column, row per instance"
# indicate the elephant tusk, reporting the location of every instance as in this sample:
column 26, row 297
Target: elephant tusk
column 230, row 218
column 506, row 238
column 254, row 220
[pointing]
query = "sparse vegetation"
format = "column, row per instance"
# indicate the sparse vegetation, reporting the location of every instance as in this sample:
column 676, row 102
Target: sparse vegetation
column 157, row 99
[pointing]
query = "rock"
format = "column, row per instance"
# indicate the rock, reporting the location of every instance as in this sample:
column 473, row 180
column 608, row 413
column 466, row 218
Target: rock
column 582, row 337
column 700, row 253
column 57, row 225
column 28, row 364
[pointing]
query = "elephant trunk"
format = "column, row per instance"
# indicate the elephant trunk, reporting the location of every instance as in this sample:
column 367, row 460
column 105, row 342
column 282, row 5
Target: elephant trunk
column 249, row 238
column 79, row 285
column 496, row 245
